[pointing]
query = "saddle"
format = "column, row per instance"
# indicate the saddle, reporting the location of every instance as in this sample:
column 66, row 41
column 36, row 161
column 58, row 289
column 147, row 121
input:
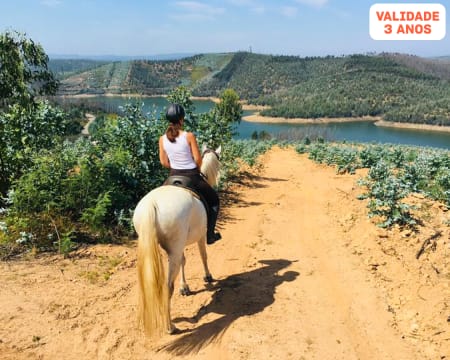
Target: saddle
column 187, row 183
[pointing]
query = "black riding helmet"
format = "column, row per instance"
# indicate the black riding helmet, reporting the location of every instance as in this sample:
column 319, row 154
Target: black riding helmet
column 175, row 113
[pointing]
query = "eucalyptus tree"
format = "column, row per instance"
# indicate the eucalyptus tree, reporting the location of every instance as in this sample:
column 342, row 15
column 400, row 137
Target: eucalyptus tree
column 24, row 71
column 27, row 124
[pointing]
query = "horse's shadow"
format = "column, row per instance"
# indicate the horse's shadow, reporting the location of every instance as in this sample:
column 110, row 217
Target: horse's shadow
column 238, row 295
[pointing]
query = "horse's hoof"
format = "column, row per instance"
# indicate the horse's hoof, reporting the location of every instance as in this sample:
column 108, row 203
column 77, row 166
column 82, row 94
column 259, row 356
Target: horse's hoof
column 173, row 330
column 208, row 279
column 185, row 291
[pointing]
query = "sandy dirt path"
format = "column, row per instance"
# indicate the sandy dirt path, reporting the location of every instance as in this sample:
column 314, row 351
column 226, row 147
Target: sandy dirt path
column 301, row 272
column 90, row 119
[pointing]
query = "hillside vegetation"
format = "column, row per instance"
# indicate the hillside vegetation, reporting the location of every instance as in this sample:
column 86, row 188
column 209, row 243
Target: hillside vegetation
column 65, row 68
column 145, row 77
column 397, row 87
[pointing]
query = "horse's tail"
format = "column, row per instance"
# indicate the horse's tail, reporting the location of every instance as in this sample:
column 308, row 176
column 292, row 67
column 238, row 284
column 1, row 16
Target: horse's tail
column 153, row 310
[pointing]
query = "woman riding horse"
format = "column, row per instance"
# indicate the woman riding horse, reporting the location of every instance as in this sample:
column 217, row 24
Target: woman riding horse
column 171, row 218
column 179, row 152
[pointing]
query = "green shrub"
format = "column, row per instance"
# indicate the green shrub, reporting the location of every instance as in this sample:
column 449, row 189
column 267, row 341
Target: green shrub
column 87, row 189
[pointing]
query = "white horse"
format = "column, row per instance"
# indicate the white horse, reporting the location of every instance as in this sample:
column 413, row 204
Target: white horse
column 172, row 217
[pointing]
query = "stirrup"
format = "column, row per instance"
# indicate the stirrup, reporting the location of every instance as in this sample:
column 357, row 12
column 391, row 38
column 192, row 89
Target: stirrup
column 211, row 239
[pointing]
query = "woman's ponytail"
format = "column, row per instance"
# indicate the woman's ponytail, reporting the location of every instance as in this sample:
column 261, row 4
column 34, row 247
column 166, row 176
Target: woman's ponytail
column 175, row 113
column 173, row 131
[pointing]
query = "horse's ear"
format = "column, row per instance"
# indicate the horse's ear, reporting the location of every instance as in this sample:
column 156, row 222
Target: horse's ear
column 219, row 149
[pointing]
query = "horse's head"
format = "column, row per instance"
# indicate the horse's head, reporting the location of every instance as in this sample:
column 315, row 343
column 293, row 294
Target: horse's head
column 211, row 165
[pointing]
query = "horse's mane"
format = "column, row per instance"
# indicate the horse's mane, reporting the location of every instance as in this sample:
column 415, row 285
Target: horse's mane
column 210, row 168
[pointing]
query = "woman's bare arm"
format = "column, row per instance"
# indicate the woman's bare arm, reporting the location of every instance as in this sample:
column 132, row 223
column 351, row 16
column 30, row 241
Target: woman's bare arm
column 163, row 158
column 192, row 141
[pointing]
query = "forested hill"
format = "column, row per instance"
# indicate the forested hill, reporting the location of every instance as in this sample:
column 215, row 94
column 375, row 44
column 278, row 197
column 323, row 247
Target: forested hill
column 396, row 86
column 147, row 77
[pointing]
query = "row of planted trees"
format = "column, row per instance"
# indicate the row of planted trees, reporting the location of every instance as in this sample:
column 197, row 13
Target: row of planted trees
column 57, row 190
column 395, row 171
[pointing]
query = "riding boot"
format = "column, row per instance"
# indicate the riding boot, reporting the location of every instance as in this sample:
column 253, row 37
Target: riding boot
column 211, row 236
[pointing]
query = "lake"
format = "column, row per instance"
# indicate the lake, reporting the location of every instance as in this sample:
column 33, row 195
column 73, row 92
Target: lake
column 365, row 132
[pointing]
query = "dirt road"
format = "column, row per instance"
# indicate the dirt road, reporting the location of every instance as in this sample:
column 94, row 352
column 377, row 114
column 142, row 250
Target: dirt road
column 302, row 273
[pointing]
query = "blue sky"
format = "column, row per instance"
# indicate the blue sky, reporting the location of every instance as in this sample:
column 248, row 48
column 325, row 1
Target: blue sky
column 148, row 27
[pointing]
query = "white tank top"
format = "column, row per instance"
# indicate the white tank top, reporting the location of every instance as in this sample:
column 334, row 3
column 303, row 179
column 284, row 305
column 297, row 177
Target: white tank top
column 179, row 153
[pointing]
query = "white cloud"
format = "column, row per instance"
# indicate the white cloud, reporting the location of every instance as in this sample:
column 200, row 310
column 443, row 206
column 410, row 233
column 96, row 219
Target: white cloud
column 248, row 3
column 253, row 5
column 314, row 3
column 194, row 10
column 51, row 3
column 289, row 11
column 258, row 10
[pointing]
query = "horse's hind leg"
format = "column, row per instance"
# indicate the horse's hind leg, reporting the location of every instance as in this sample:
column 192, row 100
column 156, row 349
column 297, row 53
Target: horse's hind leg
column 174, row 268
column 184, row 288
column 202, row 248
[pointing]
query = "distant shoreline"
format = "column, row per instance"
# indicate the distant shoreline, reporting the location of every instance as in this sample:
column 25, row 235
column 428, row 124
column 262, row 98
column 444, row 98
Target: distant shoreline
column 377, row 120
column 86, row 96
column 323, row 120
column 245, row 105
column 425, row 127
